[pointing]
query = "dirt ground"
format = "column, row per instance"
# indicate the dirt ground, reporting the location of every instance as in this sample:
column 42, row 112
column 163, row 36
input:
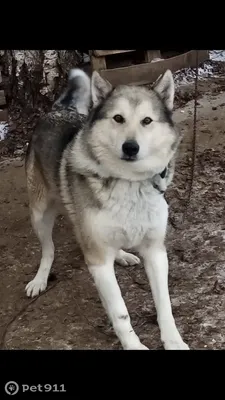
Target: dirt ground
column 69, row 315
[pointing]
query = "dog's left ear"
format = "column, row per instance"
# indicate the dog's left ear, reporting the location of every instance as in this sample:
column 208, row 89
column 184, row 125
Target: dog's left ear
column 164, row 86
column 99, row 88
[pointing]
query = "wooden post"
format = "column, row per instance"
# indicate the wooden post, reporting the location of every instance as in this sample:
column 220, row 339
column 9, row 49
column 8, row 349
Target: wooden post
column 151, row 54
column 98, row 63
column 2, row 98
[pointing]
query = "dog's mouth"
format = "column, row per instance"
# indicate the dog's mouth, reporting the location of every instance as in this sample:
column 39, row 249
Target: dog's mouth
column 129, row 158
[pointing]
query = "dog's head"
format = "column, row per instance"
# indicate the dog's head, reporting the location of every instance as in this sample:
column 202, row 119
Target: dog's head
column 131, row 129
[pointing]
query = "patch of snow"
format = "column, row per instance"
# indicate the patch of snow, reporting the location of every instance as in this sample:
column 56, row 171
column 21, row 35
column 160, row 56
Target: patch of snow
column 217, row 55
column 186, row 76
column 86, row 58
column 157, row 59
column 3, row 130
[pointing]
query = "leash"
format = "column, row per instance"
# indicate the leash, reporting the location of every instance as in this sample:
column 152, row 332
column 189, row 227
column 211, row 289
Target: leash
column 181, row 225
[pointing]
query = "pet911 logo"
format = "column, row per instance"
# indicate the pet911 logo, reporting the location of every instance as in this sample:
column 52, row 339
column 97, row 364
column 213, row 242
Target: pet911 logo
column 12, row 388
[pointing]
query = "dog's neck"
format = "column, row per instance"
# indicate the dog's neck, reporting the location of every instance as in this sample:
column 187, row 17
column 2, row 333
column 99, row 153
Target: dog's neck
column 94, row 175
column 86, row 165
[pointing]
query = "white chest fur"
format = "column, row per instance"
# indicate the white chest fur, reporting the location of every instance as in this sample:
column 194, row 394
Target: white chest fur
column 131, row 212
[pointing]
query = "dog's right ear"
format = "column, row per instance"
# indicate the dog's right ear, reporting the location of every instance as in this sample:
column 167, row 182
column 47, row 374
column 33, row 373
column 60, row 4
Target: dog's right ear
column 165, row 87
column 99, row 88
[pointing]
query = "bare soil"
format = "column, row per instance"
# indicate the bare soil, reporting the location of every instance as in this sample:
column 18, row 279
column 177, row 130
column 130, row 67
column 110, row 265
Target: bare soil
column 69, row 315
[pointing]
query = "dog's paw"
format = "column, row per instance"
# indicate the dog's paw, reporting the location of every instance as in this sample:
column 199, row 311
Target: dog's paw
column 175, row 344
column 35, row 287
column 123, row 258
column 172, row 339
column 139, row 346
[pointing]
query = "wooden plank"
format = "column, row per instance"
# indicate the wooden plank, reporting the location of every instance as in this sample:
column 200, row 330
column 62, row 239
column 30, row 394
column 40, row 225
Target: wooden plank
column 145, row 73
column 2, row 98
column 102, row 53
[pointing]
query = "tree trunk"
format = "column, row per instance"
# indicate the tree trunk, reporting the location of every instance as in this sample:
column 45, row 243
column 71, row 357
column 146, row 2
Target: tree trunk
column 34, row 78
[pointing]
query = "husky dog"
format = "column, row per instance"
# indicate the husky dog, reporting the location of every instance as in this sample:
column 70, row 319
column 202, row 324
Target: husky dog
column 104, row 153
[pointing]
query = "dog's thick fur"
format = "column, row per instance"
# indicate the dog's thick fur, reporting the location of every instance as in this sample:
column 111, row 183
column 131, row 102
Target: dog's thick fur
column 114, row 198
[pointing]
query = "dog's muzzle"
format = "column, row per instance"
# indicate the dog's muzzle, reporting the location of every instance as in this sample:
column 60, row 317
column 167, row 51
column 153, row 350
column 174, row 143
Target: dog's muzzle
column 130, row 150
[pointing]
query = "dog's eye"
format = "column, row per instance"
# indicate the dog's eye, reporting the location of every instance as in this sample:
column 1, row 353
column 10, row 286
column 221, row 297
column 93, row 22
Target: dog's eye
column 146, row 121
column 119, row 119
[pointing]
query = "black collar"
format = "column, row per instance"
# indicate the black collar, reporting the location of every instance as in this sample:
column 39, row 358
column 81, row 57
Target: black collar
column 163, row 174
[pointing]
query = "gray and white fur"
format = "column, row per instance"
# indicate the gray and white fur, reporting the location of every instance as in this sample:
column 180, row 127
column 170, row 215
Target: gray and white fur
column 106, row 160
column 77, row 94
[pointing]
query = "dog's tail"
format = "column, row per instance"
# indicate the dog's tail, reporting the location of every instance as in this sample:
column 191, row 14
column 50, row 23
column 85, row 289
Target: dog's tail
column 77, row 94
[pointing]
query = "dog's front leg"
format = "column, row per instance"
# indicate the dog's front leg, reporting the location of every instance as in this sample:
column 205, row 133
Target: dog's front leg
column 112, row 300
column 156, row 267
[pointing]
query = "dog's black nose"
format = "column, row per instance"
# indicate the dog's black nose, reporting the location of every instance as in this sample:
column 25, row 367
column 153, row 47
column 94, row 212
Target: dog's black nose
column 130, row 148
